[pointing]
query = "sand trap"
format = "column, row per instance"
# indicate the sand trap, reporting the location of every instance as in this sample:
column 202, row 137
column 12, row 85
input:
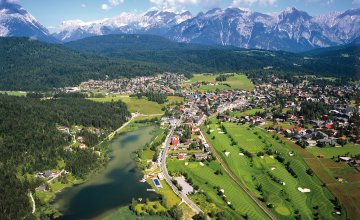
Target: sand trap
column 262, row 157
column 219, row 129
column 211, row 131
column 220, row 132
column 272, row 157
column 291, row 154
column 241, row 154
column 201, row 164
column 283, row 183
column 273, row 168
column 186, row 163
column 229, row 203
column 227, row 154
column 222, row 190
column 304, row 190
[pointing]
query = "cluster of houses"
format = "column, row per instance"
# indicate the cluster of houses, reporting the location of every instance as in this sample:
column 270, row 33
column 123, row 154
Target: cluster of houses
column 165, row 83
column 335, row 127
column 47, row 174
column 74, row 136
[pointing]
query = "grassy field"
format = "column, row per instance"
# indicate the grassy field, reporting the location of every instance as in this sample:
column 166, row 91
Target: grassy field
column 203, row 78
column 14, row 93
column 205, row 177
column 134, row 104
column 348, row 191
column 282, row 125
column 260, row 171
column 329, row 152
column 248, row 112
column 141, row 105
column 235, row 82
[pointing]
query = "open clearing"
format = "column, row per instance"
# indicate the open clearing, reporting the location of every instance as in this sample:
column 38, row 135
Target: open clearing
column 248, row 112
column 329, row 152
column 233, row 82
column 141, row 105
column 14, row 93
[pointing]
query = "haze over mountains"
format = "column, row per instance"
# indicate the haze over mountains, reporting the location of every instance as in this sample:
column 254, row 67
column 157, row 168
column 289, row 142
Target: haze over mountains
column 289, row 30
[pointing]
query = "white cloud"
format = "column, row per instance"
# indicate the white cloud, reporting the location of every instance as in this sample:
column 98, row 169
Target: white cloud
column 322, row 2
column 111, row 3
column 83, row 5
column 181, row 4
column 241, row 3
column 105, row 7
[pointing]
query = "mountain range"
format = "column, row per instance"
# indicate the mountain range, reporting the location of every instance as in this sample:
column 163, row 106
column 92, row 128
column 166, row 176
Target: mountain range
column 289, row 30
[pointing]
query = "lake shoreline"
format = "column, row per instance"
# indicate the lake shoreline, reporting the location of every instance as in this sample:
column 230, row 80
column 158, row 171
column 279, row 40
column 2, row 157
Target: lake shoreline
column 103, row 173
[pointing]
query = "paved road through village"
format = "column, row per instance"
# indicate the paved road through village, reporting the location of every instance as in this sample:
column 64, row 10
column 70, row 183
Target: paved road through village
column 168, row 178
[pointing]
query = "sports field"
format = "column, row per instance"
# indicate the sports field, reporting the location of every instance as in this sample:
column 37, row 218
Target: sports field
column 206, row 179
column 271, row 174
column 237, row 81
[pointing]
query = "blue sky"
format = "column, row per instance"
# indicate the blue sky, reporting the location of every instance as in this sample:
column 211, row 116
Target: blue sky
column 53, row 12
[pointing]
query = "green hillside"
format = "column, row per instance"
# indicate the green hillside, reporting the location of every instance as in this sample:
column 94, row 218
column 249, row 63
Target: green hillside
column 31, row 65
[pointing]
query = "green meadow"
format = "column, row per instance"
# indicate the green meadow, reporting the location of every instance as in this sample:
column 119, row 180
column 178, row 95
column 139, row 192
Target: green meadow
column 14, row 93
column 247, row 112
column 237, row 81
column 142, row 105
column 286, row 200
column 329, row 152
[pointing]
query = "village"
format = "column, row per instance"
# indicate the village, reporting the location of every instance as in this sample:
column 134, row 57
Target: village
column 163, row 83
column 294, row 113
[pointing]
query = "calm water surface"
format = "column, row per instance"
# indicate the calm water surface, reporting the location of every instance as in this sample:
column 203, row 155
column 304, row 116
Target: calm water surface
column 114, row 187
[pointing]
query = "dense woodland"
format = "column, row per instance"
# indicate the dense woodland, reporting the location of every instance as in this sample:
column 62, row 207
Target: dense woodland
column 194, row 58
column 31, row 65
column 30, row 142
column 159, row 98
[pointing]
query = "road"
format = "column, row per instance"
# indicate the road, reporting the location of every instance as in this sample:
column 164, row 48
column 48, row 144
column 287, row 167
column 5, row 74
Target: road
column 33, row 203
column 237, row 181
column 55, row 177
column 168, row 178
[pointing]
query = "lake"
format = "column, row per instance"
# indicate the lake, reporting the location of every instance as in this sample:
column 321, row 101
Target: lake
column 114, row 187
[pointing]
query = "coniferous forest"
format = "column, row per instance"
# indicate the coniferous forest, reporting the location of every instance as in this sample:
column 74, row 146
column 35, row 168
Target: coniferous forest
column 45, row 66
column 30, row 142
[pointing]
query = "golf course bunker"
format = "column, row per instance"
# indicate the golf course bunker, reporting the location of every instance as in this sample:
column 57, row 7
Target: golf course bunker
column 304, row 190
column 227, row 154
column 282, row 210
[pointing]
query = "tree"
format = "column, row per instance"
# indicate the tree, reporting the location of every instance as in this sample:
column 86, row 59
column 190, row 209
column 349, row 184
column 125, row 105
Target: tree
column 176, row 213
column 200, row 216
